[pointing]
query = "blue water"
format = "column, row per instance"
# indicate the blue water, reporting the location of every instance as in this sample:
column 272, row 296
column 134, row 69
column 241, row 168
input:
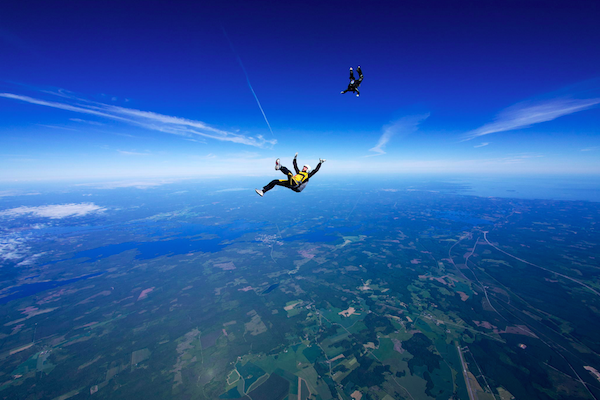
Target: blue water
column 148, row 250
column 64, row 230
column 178, row 241
column 226, row 231
column 271, row 288
column 33, row 288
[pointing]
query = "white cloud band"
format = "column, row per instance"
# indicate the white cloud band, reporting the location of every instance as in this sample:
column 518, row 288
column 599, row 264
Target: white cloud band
column 54, row 211
column 146, row 119
column 403, row 126
column 525, row 114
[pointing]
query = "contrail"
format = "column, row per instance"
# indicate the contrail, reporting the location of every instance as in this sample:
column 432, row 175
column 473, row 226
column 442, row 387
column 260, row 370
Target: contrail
column 248, row 80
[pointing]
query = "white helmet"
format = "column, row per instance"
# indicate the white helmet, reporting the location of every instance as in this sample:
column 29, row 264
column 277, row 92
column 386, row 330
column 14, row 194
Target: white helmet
column 307, row 167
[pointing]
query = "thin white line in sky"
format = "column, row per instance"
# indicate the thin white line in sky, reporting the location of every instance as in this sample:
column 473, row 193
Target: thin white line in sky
column 248, row 80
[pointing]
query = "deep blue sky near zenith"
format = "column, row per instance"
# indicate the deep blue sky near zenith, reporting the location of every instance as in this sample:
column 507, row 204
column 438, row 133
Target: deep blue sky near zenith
column 143, row 89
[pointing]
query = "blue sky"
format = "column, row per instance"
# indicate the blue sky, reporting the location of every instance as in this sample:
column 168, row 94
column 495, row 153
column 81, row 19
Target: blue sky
column 146, row 89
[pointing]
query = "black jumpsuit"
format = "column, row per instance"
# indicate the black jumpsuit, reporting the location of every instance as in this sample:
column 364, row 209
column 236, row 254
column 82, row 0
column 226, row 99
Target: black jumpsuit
column 290, row 183
column 354, row 84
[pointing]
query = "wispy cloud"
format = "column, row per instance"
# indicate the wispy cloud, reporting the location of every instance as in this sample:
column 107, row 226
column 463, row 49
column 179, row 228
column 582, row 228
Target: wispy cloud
column 133, row 153
column 58, row 127
column 517, row 163
column 127, row 184
column 85, row 121
column 128, row 135
column 523, row 115
column 518, row 158
column 208, row 156
column 590, row 149
column 146, row 119
column 231, row 190
column 15, row 250
column 12, row 247
column 196, row 141
column 403, row 127
column 9, row 193
column 54, row 211
column 481, row 145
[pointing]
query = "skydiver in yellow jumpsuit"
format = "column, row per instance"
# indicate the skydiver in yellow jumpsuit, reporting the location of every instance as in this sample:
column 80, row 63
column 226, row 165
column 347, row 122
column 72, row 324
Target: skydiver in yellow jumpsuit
column 295, row 182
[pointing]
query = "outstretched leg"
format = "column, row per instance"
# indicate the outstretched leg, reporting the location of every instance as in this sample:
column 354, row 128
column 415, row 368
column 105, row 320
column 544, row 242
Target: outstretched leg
column 351, row 74
column 285, row 171
column 360, row 76
column 276, row 182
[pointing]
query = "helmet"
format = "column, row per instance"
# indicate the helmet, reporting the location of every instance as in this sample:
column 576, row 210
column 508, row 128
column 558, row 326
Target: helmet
column 307, row 167
column 352, row 81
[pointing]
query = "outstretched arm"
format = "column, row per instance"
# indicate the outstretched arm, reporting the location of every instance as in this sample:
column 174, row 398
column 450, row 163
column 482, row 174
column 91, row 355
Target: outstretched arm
column 314, row 171
column 296, row 164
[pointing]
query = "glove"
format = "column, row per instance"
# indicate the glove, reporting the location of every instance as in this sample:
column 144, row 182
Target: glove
column 296, row 155
column 322, row 160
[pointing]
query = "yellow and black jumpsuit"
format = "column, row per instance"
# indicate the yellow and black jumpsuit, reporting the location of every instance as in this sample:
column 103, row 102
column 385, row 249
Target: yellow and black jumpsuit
column 295, row 182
